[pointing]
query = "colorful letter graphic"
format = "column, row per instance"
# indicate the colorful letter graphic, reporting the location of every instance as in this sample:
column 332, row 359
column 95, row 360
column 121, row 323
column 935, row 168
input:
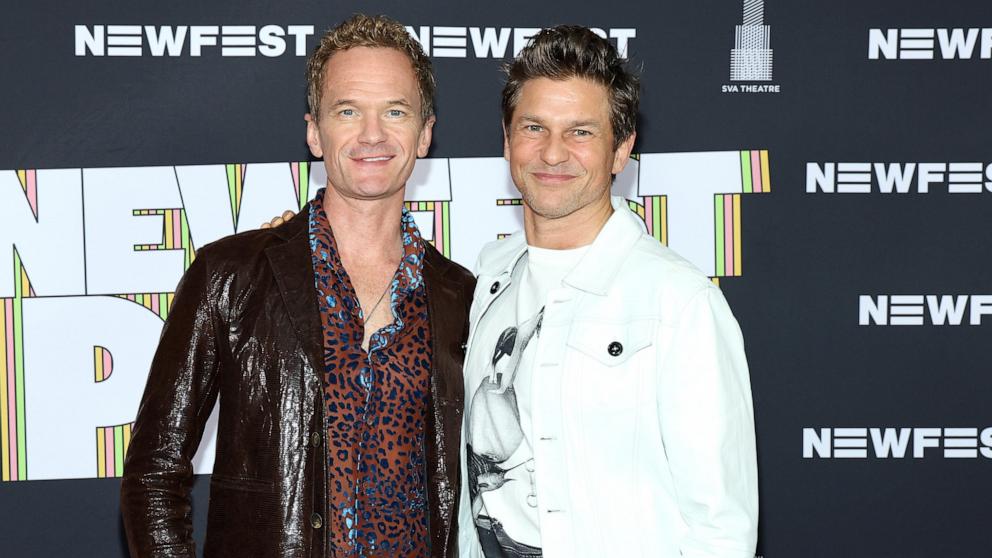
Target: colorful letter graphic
column 107, row 246
column 29, row 181
column 111, row 441
column 175, row 236
column 440, row 211
column 14, row 457
column 699, row 189
column 111, row 447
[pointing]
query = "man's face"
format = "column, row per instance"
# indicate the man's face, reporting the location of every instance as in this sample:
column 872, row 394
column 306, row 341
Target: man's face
column 370, row 131
column 560, row 146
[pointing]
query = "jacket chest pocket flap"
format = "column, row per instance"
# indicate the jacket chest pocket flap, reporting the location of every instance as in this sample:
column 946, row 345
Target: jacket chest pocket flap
column 610, row 344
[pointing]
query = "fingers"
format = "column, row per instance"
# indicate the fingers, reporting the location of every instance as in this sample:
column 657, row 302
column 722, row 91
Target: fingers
column 278, row 221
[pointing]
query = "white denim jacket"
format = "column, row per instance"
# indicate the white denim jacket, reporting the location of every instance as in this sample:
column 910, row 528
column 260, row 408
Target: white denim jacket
column 642, row 418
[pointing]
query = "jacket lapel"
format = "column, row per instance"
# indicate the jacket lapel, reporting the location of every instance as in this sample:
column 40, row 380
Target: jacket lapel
column 292, row 268
column 448, row 318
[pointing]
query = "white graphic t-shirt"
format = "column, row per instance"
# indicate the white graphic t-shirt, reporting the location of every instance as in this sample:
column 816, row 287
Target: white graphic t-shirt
column 501, row 459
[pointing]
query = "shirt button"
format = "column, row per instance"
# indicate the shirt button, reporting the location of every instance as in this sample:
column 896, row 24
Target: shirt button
column 370, row 420
column 315, row 439
column 494, row 288
column 316, row 521
column 615, row 348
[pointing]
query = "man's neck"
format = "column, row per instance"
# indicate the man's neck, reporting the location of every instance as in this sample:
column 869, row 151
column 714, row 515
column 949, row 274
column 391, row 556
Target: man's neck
column 367, row 229
column 574, row 230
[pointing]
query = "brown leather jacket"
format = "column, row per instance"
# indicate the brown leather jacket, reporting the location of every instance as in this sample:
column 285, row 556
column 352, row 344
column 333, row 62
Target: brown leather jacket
column 245, row 326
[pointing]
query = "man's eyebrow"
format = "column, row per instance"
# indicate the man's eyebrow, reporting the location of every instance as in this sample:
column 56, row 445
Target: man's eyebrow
column 572, row 124
column 584, row 124
column 391, row 102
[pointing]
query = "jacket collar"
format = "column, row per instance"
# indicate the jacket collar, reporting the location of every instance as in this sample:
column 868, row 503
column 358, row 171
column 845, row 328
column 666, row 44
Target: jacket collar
column 597, row 268
column 440, row 275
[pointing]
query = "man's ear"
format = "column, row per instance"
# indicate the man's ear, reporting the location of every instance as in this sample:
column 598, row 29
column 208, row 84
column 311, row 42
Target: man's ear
column 506, row 143
column 622, row 154
column 313, row 136
column 426, row 134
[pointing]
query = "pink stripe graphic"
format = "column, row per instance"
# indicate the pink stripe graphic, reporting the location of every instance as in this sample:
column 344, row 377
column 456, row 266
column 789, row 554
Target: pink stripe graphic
column 155, row 304
column 177, row 231
column 648, row 214
column 32, row 190
column 295, row 168
column 438, row 227
column 728, row 233
column 108, row 446
column 108, row 364
column 756, row 171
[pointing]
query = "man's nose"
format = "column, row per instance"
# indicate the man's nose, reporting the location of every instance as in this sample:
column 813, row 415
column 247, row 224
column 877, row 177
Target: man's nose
column 555, row 151
column 372, row 132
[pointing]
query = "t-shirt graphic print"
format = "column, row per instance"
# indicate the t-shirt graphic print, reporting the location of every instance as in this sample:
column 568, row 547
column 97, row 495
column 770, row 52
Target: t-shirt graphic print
column 499, row 373
column 501, row 461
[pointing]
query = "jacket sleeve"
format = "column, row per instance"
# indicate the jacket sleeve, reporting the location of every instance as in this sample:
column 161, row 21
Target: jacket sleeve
column 178, row 398
column 707, row 425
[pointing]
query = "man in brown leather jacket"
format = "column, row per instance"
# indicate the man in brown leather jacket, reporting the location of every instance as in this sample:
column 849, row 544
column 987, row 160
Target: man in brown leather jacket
column 334, row 344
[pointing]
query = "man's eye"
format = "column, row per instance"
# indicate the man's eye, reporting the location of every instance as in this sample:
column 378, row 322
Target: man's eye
column 582, row 133
column 534, row 128
column 396, row 113
column 347, row 112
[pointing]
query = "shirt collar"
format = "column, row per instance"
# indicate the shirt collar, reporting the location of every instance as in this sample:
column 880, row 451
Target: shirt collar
column 409, row 274
column 597, row 268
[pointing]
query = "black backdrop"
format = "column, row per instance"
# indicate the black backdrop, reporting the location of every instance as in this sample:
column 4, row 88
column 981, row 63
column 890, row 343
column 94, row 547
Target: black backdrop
column 810, row 255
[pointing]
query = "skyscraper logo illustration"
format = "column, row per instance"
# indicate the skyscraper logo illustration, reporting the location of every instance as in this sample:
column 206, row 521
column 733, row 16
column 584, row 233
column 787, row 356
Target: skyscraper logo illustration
column 751, row 57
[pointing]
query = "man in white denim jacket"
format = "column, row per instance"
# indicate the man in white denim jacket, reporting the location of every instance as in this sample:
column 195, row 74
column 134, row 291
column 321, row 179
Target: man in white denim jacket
column 608, row 403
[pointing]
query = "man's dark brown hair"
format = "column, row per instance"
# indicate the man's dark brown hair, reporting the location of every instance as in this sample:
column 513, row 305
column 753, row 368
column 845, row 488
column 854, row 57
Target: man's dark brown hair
column 376, row 32
column 568, row 51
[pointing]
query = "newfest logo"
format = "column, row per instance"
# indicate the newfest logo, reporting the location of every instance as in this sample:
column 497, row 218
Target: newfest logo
column 751, row 58
column 493, row 42
column 191, row 40
column 929, row 44
column 898, row 178
column 897, row 443
column 918, row 310
column 278, row 40
column 98, row 252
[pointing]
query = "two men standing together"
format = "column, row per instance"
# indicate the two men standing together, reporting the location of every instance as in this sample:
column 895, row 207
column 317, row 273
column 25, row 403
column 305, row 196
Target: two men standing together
column 604, row 408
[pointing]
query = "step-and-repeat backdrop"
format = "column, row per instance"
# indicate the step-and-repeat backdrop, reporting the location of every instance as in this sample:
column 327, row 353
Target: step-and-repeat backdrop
column 825, row 162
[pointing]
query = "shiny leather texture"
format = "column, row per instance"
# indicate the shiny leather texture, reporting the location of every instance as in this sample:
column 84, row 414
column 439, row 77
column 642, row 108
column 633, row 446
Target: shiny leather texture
column 245, row 327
